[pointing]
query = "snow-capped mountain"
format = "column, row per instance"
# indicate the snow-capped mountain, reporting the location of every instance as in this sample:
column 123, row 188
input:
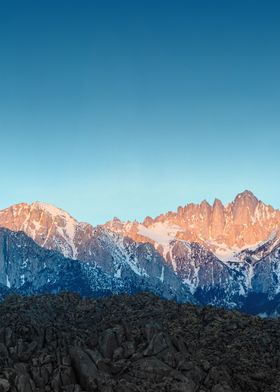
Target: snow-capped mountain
column 27, row 268
column 118, row 256
column 223, row 255
column 216, row 250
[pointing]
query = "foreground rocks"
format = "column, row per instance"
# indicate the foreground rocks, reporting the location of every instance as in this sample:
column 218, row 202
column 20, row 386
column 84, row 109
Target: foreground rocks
column 133, row 344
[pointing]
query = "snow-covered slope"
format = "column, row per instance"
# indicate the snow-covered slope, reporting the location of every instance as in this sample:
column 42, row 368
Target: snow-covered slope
column 27, row 268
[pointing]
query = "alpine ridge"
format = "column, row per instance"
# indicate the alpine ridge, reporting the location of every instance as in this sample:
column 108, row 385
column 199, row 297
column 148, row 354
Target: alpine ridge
column 224, row 229
column 224, row 255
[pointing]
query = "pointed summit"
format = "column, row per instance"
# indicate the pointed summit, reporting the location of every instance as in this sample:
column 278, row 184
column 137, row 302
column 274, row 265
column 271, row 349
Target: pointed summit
column 217, row 203
column 204, row 204
column 246, row 195
column 244, row 207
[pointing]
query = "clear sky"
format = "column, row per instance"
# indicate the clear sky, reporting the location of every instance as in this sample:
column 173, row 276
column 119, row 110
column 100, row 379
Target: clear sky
column 131, row 108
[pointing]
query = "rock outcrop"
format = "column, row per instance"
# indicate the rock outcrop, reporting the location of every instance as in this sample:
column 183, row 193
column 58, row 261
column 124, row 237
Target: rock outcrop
column 133, row 343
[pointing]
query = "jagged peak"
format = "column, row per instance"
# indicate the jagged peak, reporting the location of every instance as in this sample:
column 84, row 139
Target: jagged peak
column 246, row 195
column 217, row 203
column 116, row 219
column 205, row 203
column 147, row 221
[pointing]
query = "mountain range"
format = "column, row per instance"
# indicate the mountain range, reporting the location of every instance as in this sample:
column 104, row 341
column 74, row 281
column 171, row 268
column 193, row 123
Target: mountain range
column 224, row 255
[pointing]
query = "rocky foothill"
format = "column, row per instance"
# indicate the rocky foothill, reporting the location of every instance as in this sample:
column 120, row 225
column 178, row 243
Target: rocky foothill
column 133, row 343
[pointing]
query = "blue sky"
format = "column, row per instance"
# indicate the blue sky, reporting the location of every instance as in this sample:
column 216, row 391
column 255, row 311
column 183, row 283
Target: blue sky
column 131, row 108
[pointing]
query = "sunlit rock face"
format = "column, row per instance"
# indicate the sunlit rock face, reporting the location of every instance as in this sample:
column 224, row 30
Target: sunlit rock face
column 49, row 226
column 223, row 229
column 242, row 223
column 217, row 220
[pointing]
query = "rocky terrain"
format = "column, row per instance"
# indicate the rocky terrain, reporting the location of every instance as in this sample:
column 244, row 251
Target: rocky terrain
column 133, row 343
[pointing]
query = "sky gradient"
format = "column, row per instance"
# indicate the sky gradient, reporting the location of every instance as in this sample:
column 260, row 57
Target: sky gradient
column 131, row 108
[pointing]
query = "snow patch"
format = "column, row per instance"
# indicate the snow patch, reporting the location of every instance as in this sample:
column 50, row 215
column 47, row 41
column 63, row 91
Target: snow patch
column 8, row 283
column 162, row 274
column 161, row 233
column 232, row 254
column 49, row 208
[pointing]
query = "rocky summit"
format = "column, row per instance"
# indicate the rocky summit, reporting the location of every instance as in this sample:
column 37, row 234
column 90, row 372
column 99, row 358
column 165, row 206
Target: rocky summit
column 132, row 344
